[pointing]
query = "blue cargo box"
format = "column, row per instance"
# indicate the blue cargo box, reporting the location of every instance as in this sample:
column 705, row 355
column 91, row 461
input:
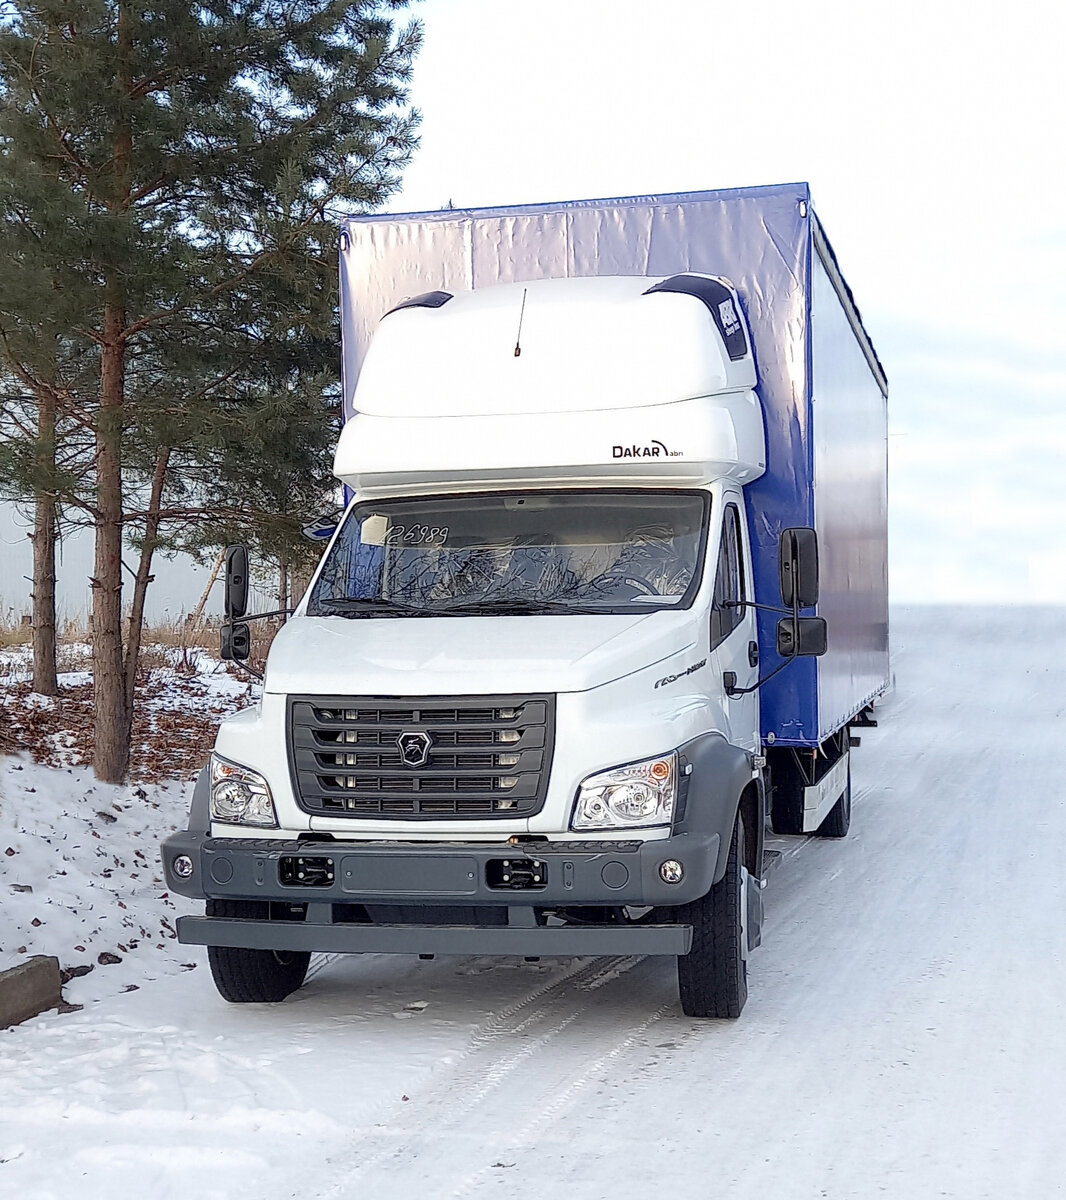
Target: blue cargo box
column 823, row 390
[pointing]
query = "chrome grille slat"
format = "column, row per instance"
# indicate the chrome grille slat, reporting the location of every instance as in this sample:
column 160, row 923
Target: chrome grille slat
column 488, row 756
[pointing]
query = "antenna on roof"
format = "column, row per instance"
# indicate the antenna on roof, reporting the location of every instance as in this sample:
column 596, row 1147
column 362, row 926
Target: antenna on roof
column 521, row 316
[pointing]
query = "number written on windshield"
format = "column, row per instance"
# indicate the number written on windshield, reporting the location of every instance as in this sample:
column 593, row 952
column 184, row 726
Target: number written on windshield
column 416, row 535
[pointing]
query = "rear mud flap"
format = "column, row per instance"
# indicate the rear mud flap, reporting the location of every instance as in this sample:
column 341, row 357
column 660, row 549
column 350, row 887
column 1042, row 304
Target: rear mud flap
column 750, row 912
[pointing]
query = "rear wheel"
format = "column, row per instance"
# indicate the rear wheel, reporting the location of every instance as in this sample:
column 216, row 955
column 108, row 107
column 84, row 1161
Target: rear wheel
column 713, row 977
column 253, row 976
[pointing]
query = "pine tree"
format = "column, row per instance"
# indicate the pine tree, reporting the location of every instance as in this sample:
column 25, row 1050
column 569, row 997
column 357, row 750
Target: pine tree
column 171, row 178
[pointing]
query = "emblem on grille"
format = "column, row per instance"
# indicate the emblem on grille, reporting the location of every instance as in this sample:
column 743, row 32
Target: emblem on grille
column 414, row 747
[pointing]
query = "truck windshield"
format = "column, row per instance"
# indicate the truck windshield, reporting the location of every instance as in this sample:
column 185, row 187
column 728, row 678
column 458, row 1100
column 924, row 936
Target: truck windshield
column 520, row 553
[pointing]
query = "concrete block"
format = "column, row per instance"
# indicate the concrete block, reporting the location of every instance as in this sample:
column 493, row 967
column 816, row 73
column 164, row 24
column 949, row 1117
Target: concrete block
column 29, row 989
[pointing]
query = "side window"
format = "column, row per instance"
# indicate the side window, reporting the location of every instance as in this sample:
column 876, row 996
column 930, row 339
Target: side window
column 728, row 579
column 738, row 554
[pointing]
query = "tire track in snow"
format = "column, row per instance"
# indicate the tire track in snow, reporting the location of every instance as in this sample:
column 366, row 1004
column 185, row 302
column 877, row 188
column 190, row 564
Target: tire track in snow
column 567, row 1096
column 455, row 1099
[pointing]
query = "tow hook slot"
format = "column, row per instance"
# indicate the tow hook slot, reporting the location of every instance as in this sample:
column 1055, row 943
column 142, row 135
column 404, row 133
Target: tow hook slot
column 516, row 874
column 301, row 871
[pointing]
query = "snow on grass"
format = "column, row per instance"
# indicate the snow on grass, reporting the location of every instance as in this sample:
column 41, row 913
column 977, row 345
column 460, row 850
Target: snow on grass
column 182, row 695
column 80, row 876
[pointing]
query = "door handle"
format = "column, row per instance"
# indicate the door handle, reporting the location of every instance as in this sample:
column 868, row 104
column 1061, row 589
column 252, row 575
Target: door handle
column 753, row 654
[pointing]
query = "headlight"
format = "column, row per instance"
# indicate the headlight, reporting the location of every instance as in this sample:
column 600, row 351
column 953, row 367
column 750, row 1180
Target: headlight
column 640, row 793
column 240, row 796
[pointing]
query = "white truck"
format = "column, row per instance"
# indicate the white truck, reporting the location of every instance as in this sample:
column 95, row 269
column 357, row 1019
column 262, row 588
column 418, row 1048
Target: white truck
column 607, row 600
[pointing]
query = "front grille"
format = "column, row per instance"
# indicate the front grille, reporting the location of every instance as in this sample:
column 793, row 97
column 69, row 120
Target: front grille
column 488, row 756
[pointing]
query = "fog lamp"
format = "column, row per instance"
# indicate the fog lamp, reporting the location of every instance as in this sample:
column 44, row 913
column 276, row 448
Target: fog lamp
column 182, row 866
column 671, row 871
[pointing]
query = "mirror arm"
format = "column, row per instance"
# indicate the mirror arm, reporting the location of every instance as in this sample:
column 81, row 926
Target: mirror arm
column 732, row 691
column 258, row 676
column 793, row 612
column 786, row 612
column 278, row 612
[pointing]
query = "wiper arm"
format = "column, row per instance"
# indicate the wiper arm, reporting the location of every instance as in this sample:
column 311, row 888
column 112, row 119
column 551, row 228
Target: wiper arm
column 513, row 607
column 371, row 604
column 359, row 605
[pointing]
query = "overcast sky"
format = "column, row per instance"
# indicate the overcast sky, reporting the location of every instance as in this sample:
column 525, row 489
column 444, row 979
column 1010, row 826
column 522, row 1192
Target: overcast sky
column 932, row 135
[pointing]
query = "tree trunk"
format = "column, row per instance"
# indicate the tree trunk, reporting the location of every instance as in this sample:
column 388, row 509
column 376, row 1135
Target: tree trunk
column 45, row 680
column 144, row 576
column 45, row 528
column 44, row 550
column 111, row 744
column 111, row 748
column 192, row 621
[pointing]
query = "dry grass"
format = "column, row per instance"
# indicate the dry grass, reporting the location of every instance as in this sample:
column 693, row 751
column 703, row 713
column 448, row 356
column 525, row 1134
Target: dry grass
column 170, row 742
column 203, row 635
column 14, row 633
column 177, row 714
column 16, row 629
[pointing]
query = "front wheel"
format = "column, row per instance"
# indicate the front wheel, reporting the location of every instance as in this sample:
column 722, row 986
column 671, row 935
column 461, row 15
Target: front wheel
column 253, row 976
column 712, row 978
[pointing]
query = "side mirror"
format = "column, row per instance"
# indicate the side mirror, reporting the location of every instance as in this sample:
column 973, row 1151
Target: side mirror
column 236, row 642
column 236, row 601
column 802, row 637
column 797, row 565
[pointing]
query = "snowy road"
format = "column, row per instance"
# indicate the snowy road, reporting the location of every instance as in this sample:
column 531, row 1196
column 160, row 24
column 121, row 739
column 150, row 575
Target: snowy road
column 903, row 1038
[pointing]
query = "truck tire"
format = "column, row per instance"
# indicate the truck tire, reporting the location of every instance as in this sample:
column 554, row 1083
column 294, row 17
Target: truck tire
column 253, row 976
column 712, row 978
column 838, row 820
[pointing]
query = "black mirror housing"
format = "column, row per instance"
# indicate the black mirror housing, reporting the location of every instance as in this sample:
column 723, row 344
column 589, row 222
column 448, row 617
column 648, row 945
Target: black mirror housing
column 797, row 565
column 802, row 638
column 236, row 600
column 235, row 642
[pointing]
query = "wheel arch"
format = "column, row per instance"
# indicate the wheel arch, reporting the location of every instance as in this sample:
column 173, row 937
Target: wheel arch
column 719, row 784
column 200, row 808
column 752, row 809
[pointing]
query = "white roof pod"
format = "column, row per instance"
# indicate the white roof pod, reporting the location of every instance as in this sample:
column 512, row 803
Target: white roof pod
column 621, row 379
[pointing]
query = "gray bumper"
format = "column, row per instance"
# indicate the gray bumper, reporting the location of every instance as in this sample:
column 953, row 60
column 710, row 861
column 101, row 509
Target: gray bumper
column 536, row 940
column 450, row 874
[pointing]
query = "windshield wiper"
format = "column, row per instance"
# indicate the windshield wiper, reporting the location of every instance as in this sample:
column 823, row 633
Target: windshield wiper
column 514, row 607
column 371, row 604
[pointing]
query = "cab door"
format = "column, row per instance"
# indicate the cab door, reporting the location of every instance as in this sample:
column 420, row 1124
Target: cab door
column 734, row 639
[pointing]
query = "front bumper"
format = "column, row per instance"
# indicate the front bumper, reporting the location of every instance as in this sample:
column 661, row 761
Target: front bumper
column 534, row 940
column 460, row 877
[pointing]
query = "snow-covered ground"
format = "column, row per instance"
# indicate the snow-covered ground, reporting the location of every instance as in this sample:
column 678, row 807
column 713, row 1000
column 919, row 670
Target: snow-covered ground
column 903, row 1037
